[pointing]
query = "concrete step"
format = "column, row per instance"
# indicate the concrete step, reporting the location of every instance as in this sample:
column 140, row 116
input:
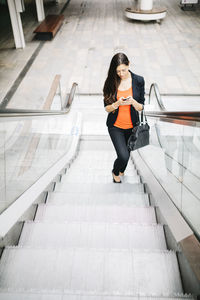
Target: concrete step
column 90, row 213
column 95, row 177
column 90, row 270
column 55, row 295
column 103, row 188
column 99, row 170
column 94, row 199
column 95, row 235
column 97, row 159
column 77, row 168
column 94, row 164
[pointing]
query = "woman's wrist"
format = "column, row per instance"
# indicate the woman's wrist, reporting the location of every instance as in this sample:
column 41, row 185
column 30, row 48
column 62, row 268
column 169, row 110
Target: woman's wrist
column 137, row 105
column 133, row 103
column 115, row 105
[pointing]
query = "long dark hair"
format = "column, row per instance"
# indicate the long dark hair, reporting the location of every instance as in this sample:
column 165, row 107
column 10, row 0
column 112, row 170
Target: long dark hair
column 113, row 80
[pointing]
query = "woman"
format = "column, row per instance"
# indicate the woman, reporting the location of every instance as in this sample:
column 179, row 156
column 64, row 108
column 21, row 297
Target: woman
column 123, row 98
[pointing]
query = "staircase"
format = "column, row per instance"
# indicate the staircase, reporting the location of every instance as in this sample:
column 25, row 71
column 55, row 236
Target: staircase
column 92, row 240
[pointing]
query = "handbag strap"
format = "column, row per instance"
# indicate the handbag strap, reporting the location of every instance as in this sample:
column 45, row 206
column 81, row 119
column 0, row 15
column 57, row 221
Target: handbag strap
column 143, row 116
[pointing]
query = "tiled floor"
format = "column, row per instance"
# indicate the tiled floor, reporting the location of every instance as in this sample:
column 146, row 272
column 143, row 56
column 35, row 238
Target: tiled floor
column 166, row 53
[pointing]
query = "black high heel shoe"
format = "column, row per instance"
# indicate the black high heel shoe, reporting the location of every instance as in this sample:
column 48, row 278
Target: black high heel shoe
column 114, row 178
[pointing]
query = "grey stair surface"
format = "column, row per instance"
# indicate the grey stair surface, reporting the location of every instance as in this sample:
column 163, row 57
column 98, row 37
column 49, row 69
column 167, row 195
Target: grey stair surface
column 92, row 239
column 103, row 188
column 102, row 177
column 121, row 199
column 91, row 213
column 91, row 270
column 96, row 235
column 76, row 172
column 43, row 295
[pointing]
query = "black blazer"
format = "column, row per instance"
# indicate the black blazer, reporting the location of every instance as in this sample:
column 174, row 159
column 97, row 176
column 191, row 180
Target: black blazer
column 138, row 95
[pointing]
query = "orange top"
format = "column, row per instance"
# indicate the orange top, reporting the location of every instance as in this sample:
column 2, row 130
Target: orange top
column 124, row 115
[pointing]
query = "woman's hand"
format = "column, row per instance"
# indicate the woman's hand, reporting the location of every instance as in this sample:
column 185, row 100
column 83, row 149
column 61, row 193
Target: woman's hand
column 115, row 105
column 121, row 101
column 118, row 103
column 134, row 103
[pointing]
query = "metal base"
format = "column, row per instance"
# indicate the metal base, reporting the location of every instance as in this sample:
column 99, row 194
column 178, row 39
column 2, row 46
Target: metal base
column 154, row 14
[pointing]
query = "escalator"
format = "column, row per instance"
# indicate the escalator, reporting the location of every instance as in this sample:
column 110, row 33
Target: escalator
column 90, row 238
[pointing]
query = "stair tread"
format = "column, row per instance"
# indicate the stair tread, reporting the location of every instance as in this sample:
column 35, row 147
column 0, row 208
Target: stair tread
column 75, row 169
column 95, row 235
column 122, row 271
column 97, row 177
column 90, row 213
column 95, row 199
column 103, row 188
column 56, row 295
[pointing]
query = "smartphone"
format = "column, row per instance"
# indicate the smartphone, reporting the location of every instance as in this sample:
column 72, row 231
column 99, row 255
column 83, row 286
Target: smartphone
column 126, row 98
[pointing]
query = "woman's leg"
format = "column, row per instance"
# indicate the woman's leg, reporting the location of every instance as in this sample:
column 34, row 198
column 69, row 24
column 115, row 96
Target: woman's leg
column 127, row 133
column 119, row 138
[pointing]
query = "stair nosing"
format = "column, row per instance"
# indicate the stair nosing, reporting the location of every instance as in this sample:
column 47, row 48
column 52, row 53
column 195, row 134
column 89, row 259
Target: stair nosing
column 84, row 293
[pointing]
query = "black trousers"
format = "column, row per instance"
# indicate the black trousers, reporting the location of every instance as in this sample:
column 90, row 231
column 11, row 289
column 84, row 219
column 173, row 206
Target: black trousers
column 119, row 139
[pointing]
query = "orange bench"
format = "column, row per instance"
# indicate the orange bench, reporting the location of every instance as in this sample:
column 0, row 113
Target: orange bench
column 49, row 27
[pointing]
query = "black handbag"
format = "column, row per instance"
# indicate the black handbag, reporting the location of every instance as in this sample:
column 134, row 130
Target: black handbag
column 140, row 134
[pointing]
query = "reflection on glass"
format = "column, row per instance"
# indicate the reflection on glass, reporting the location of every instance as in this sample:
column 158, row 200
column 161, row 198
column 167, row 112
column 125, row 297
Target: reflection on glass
column 2, row 167
column 29, row 147
column 191, row 176
column 174, row 157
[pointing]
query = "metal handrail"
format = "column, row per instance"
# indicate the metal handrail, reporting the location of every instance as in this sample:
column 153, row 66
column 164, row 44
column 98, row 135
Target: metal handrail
column 180, row 117
column 154, row 87
column 184, row 118
column 10, row 112
column 184, row 115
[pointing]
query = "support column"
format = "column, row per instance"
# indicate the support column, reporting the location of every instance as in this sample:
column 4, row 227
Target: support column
column 40, row 10
column 14, row 10
column 146, row 4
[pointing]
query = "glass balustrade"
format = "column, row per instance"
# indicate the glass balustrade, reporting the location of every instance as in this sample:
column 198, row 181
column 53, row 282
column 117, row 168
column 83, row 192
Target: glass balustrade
column 29, row 146
column 173, row 156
